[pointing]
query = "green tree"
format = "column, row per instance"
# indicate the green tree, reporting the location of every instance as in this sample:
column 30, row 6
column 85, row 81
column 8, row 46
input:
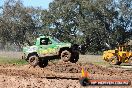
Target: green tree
column 97, row 22
column 19, row 24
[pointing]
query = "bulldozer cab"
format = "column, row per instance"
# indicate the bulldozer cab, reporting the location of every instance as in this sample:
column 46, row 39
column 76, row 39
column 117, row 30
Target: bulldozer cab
column 124, row 52
column 125, row 48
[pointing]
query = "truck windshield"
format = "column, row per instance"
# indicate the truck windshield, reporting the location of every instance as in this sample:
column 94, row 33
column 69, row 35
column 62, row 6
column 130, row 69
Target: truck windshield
column 56, row 40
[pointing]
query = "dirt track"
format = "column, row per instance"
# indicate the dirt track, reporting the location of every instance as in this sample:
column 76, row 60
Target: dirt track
column 64, row 75
column 60, row 75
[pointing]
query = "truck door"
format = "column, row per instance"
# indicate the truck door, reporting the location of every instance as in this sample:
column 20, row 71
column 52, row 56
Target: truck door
column 46, row 47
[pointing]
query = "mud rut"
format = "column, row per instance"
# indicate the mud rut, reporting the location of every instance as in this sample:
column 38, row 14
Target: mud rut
column 62, row 72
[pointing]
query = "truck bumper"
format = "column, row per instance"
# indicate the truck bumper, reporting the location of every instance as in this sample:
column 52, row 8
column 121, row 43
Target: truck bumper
column 24, row 56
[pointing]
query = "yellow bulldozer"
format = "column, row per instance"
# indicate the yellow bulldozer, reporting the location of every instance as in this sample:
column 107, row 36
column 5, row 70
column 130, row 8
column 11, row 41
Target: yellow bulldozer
column 122, row 54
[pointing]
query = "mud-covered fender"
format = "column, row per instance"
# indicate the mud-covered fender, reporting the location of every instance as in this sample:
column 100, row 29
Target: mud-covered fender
column 75, row 48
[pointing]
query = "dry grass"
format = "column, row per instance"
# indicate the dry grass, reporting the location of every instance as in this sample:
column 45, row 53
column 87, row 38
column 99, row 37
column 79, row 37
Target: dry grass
column 11, row 54
column 12, row 57
column 13, row 61
column 95, row 59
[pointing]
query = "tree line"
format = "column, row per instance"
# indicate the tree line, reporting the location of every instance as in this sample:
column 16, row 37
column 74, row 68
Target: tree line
column 93, row 23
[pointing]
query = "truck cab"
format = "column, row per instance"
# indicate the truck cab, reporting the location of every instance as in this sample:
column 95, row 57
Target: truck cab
column 46, row 46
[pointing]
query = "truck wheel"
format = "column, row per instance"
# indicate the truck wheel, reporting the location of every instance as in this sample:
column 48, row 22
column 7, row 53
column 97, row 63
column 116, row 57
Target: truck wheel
column 130, row 60
column 65, row 55
column 43, row 63
column 75, row 57
column 114, row 61
column 33, row 60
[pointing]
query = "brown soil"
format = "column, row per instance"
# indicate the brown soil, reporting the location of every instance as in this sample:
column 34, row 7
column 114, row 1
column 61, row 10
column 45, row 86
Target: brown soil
column 58, row 75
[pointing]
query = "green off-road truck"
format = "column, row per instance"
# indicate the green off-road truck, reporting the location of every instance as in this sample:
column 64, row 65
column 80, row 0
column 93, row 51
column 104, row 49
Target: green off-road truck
column 47, row 48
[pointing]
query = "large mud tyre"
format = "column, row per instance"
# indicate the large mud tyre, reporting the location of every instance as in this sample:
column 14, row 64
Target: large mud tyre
column 43, row 63
column 130, row 60
column 75, row 57
column 33, row 60
column 119, row 63
column 114, row 61
column 66, row 55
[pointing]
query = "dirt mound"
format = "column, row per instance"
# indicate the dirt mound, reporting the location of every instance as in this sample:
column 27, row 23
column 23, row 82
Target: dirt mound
column 54, row 69
column 96, row 72
column 61, row 74
column 65, row 67
column 76, row 68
